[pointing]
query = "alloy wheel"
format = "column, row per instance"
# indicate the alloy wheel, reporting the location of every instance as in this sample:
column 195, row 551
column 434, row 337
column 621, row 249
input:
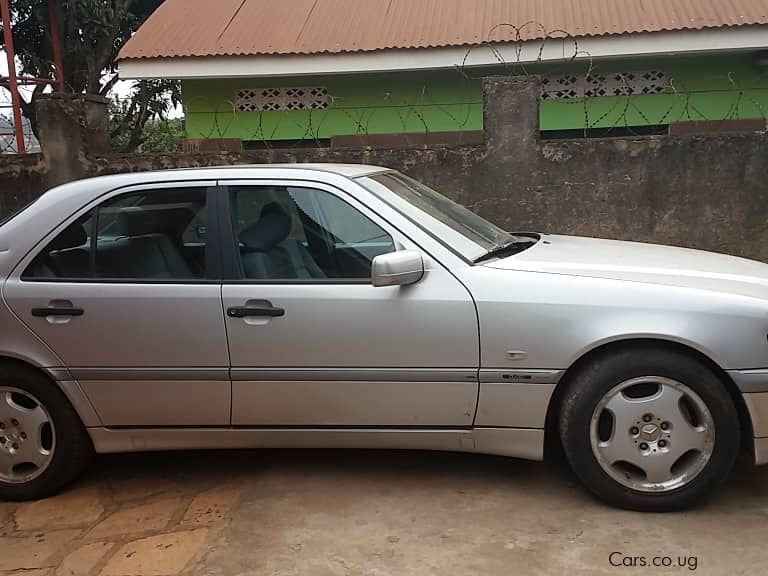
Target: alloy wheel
column 652, row 434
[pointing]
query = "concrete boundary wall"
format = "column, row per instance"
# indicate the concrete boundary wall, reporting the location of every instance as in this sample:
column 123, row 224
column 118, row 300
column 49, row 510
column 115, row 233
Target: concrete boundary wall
column 702, row 191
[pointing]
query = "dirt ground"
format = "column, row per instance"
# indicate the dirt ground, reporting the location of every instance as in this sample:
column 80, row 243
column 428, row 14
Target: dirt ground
column 324, row 513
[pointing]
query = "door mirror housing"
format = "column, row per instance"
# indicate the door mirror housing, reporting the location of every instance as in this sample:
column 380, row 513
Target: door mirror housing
column 397, row 268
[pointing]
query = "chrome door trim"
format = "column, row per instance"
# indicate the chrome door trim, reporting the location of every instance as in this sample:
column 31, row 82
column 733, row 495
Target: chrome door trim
column 58, row 374
column 490, row 375
column 277, row 374
column 354, row 374
column 515, row 442
column 143, row 374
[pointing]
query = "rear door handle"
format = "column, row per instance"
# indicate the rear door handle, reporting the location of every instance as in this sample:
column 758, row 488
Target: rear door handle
column 53, row 311
column 253, row 311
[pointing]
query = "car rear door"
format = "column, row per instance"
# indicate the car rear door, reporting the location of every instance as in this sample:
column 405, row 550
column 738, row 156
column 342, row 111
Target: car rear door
column 126, row 294
column 321, row 345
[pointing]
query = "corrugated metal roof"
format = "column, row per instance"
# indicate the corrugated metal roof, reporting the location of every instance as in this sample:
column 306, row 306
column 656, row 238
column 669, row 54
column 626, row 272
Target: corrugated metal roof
column 254, row 27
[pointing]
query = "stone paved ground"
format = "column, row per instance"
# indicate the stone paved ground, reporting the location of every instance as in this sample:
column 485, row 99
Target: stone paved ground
column 286, row 513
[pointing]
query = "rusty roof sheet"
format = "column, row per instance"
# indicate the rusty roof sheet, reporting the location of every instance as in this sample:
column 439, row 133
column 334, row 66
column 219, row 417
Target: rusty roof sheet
column 260, row 27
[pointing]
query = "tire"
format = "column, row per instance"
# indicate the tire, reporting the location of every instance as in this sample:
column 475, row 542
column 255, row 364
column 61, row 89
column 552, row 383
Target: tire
column 67, row 441
column 596, row 429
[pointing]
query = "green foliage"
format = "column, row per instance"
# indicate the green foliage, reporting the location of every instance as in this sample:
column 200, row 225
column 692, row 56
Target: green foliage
column 163, row 135
column 140, row 121
column 91, row 33
column 158, row 136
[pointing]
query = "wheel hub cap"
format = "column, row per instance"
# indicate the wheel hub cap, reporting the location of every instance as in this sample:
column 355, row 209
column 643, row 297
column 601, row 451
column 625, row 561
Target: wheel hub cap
column 652, row 434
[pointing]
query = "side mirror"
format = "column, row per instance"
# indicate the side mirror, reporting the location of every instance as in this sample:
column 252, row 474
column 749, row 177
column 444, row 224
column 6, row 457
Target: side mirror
column 397, row 268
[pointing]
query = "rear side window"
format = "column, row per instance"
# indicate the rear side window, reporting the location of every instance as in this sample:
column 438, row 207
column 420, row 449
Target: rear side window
column 157, row 234
column 67, row 256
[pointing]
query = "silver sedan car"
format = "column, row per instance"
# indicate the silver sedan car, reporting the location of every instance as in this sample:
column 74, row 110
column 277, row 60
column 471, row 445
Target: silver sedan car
column 353, row 307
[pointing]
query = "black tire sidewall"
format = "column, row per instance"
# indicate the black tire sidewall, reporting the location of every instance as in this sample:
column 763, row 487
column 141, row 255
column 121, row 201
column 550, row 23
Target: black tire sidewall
column 589, row 386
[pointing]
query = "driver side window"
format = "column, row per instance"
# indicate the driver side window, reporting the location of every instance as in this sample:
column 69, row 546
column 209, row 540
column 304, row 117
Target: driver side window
column 295, row 233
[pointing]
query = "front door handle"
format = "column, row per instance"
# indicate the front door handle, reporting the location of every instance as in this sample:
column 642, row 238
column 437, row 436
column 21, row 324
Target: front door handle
column 253, row 311
column 54, row 311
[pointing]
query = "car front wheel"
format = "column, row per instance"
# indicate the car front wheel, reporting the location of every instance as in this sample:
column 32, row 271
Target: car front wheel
column 649, row 429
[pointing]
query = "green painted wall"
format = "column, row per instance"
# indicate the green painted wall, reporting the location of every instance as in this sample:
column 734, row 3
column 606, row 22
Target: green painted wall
column 374, row 104
column 704, row 88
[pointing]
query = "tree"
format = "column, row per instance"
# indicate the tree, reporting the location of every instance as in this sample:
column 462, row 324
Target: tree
column 91, row 33
column 163, row 135
column 140, row 121
column 149, row 100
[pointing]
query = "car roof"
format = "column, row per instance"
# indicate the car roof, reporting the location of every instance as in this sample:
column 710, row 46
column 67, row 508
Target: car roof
column 348, row 170
column 237, row 170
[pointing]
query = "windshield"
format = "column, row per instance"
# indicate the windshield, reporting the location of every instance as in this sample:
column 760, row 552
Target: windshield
column 462, row 230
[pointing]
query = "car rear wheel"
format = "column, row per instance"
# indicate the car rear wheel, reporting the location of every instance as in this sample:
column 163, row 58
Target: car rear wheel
column 649, row 429
column 43, row 445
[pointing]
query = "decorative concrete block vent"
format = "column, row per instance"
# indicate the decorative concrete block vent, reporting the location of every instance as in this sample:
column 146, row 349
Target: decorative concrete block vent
column 571, row 86
column 274, row 99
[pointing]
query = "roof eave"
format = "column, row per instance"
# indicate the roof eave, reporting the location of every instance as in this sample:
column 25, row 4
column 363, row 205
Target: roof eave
column 393, row 60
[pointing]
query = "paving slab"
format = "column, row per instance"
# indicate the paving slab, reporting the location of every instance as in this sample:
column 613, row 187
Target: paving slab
column 147, row 517
column 212, row 506
column 80, row 506
column 35, row 551
column 163, row 555
column 84, row 559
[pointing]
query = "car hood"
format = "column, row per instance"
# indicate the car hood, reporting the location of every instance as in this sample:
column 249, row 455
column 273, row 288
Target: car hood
column 640, row 262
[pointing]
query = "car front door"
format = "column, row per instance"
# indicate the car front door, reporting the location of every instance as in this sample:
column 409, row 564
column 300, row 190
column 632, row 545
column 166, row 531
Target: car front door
column 313, row 343
column 126, row 295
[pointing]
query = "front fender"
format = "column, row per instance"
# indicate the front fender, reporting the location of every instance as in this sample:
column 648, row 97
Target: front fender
column 541, row 320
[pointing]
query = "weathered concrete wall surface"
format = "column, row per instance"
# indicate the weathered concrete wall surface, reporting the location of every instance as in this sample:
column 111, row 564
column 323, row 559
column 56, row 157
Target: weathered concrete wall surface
column 72, row 129
column 22, row 178
column 706, row 191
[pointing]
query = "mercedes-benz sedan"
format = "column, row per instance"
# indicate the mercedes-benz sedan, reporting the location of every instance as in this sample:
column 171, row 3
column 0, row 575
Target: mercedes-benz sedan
column 351, row 306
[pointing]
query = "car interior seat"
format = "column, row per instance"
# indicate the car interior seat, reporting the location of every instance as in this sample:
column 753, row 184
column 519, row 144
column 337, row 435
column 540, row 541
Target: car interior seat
column 267, row 252
column 67, row 256
column 148, row 246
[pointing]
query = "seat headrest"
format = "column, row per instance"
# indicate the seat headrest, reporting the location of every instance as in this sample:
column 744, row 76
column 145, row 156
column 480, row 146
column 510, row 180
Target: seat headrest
column 273, row 227
column 153, row 219
column 72, row 237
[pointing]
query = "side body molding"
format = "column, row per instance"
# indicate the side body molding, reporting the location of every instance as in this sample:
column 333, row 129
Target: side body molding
column 516, row 398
